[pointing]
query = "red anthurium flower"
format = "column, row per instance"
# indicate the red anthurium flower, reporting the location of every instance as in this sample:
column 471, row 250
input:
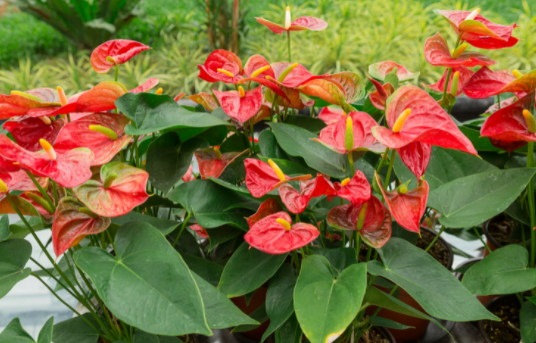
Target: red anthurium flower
column 268, row 207
column 201, row 232
column 205, row 99
column 276, row 235
column 189, row 175
column 356, row 190
column 480, row 32
column 512, row 125
column 331, row 115
column 437, row 53
column 20, row 104
column 415, row 116
column 380, row 70
column 296, row 202
column 114, row 52
column 371, row 219
column 359, row 126
column 69, row 169
column 291, row 99
column 485, row 83
column 300, row 24
column 379, row 97
column 221, row 65
column 7, row 166
column 144, row 87
column 27, row 131
column 73, row 222
column 416, row 156
column 46, row 95
column 20, row 181
column 407, row 207
column 495, row 107
column 262, row 177
column 120, row 190
column 464, row 76
column 258, row 66
column 212, row 162
column 240, row 105
column 102, row 133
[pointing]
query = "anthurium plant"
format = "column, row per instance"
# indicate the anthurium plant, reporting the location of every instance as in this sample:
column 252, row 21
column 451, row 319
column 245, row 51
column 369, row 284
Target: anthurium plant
column 163, row 215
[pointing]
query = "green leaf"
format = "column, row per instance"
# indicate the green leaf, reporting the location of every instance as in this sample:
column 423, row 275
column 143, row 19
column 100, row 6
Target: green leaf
column 220, row 311
column 236, row 142
column 144, row 337
column 187, row 243
column 222, row 234
column 19, row 229
column 339, row 258
column 163, row 225
column 76, row 330
column 142, row 279
column 322, row 301
column 445, row 165
column 297, row 142
column 504, row 271
column 209, row 271
column 528, row 322
column 471, row 200
column 428, row 282
column 150, row 113
column 45, row 335
column 4, row 227
column 279, row 298
column 259, row 315
column 480, row 143
column 269, row 146
column 247, row 270
column 387, row 323
column 204, row 199
column 314, row 125
column 168, row 159
column 14, row 333
column 14, row 254
column 289, row 332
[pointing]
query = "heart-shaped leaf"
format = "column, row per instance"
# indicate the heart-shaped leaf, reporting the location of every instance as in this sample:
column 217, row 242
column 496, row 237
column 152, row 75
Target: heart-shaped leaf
column 148, row 269
column 527, row 322
column 14, row 333
column 76, row 330
column 14, row 254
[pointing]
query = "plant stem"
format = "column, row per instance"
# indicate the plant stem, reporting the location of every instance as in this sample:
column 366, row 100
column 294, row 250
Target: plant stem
column 357, row 243
column 369, row 253
column 303, row 253
column 530, row 188
column 447, row 81
column 41, row 190
column 384, row 158
column 55, row 192
column 289, row 53
column 116, row 77
column 183, row 226
column 391, row 162
column 435, row 238
column 499, row 100
column 313, row 111
column 480, row 237
column 53, row 277
column 351, row 161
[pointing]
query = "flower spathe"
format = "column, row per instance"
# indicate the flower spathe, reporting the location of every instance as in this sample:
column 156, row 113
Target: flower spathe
column 221, row 65
column 437, row 53
column 297, row 201
column 356, row 190
column 114, row 52
column 268, row 207
column 276, row 235
column 380, row 70
column 485, row 83
column 240, row 105
column 201, row 232
column 212, row 162
column 27, row 131
column 300, row 24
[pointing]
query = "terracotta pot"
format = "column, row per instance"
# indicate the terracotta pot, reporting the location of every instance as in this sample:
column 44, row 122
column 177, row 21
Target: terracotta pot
column 450, row 257
column 420, row 325
column 256, row 301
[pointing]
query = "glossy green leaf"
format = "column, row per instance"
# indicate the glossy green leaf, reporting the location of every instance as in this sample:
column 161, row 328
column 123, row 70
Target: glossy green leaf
column 163, row 225
column 471, row 200
column 480, row 143
column 168, row 159
column 279, row 298
column 387, row 323
column 445, row 165
column 428, row 282
column 144, row 337
column 150, row 113
column 204, row 199
column 76, row 330
column 208, row 270
column 142, row 280
column 504, row 271
column 222, row 234
column 339, row 258
column 247, row 270
column 4, row 228
column 289, row 332
column 321, row 301
column 314, row 125
column 45, row 335
column 259, row 315
column 528, row 322
column 297, row 142
column 19, row 229
column 14, row 333
column 269, row 146
column 14, row 254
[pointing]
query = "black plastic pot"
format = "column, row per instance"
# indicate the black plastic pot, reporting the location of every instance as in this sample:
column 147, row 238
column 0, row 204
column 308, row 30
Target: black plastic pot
column 486, row 338
column 492, row 243
column 440, row 240
column 467, row 108
column 385, row 333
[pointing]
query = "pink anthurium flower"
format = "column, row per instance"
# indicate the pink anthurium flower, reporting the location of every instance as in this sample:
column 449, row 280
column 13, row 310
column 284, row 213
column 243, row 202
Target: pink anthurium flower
column 380, row 70
column 331, row 115
column 371, row 219
column 20, row 181
column 20, row 103
column 205, row 99
column 437, row 53
column 296, row 202
column 7, row 166
column 189, row 175
column 300, row 24
column 258, row 66
column 268, row 207
column 27, row 131
column 121, row 188
column 464, row 76
column 478, row 31
column 212, row 162
column 262, row 177
column 414, row 116
column 512, row 126
column 359, row 126
column 240, row 105
column 356, row 190
column 407, row 207
column 146, row 86
column 276, row 235
column 72, row 223
column 379, row 97
column 221, row 65
column 69, row 169
column 115, row 52
column 201, row 232
column 102, row 133
column 416, row 156
column 485, row 83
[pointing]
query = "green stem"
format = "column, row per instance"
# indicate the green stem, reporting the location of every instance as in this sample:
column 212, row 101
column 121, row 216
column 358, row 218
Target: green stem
column 480, row 237
column 116, row 77
column 351, row 161
column 55, row 192
column 41, row 190
column 444, row 98
column 530, row 188
column 357, row 242
column 384, row 158
column 313, row 111
column 183, row 226
column 369, row 253
column 391, row 162
column 435, row 238
column 272, row 110
column 296, row 259
column 303, row 253
column 111, row 239
column 289, row 53
column 499, row 100
column 54, row 277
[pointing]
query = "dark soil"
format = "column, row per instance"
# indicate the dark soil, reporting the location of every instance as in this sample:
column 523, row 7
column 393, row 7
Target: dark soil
column 507, row 309
column 438, row 250
column 501, row 229
column 373, row 336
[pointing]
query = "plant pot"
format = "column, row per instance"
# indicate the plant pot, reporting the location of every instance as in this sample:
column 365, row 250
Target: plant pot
column 467, row 108
column 506, row 307
column 484, row 299
column 256, row 301
column 499, row 231
column 441, row 250
column 378, row 334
